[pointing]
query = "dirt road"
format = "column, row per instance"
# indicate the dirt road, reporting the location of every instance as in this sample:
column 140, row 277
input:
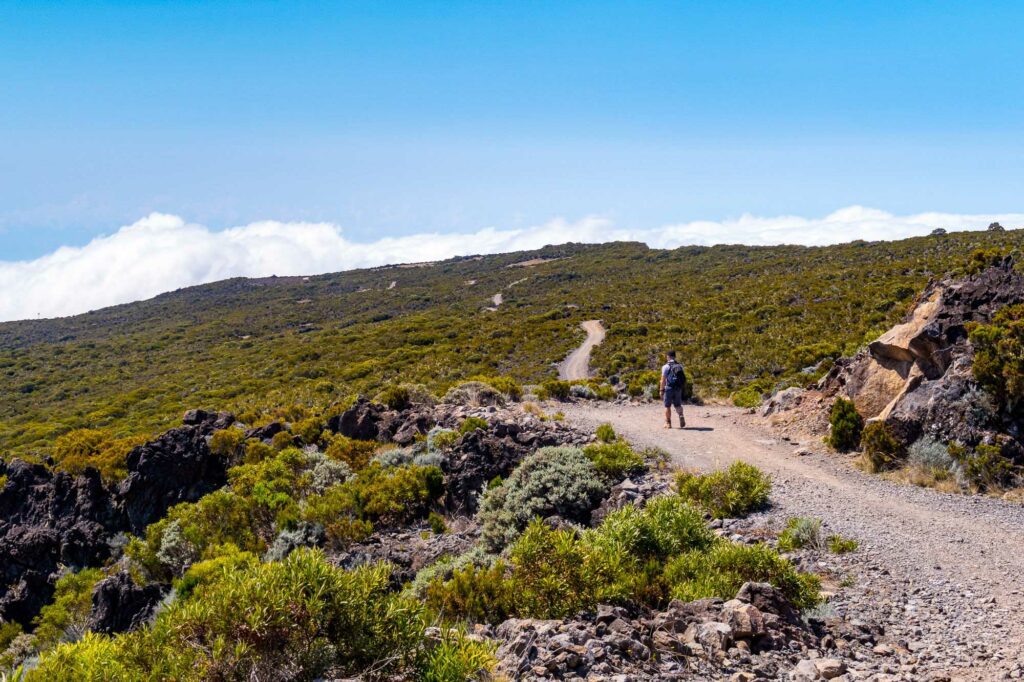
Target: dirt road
column 944, row 573
column 577, row 365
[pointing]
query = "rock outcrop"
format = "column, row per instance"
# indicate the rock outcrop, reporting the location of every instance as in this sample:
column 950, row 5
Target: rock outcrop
column 917, row 376
column 50, row 520
column 119, row 604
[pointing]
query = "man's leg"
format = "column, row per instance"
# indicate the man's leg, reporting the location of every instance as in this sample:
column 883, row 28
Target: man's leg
column 677, row 400
column 668, row 417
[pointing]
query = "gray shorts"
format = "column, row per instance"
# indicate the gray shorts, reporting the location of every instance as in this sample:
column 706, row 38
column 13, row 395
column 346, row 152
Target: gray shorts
column 674, row 397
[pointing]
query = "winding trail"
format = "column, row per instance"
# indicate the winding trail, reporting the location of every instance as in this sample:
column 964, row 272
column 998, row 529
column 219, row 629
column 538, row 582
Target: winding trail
column 577, row 365
column 944, row 572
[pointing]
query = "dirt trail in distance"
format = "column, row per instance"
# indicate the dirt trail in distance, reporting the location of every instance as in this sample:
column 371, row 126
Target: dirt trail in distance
column 577, row 365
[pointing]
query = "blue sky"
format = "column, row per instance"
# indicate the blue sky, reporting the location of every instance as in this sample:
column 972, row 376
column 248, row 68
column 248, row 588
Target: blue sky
column 397, row 117
column 404, row 118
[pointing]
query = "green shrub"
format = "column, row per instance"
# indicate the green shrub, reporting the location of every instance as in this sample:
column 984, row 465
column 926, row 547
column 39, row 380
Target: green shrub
column 606, row 433
column 479, row 594
column 506, row 384
column 729, row 493
column 722, row 571
column 748, row 397
column 662, row 529
column 80, row 449
column 282, row 440
column 552, row 480
column 881, row 447
column 301, row 616
column 66, row 616
column 389, row 496
column 437, row 523
column 227, row 442
column 985, row 468
column 837, row 544
column 355, row 453
column 801, row 532
column 308, row 430
column 556, row 389
column 846, row 425
column 470, row 424
column 999, row 357
column 614, row 460
column 396, row 397
column 439, row 440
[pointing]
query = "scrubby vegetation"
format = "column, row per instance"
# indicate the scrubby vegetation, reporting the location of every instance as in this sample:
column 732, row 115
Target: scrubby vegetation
column 845, row 425
column 663, row 551
column 880, row 446
column 552, row 481
column 300, row 618
column 732, row 492
column 999, row 358
column 251, row 346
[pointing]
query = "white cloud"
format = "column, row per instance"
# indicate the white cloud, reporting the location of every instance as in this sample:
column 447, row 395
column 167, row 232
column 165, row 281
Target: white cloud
column 162, row 252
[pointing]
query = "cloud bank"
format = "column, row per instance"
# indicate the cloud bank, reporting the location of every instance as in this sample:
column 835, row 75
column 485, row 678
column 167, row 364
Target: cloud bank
column 164, row 252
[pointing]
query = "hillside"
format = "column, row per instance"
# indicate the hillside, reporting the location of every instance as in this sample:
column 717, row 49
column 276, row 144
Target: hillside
column 738, row 315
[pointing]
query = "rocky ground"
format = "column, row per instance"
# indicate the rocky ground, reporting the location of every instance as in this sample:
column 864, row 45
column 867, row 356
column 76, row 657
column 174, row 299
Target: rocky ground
column 933, row 592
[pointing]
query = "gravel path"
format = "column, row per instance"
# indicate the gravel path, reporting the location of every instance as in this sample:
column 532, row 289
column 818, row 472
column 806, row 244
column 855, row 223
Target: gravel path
column 577, row 365
column 941, row 573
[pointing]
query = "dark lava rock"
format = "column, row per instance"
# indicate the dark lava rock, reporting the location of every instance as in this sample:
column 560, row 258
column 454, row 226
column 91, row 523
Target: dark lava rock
column 365, row 420
column 176, row 467
column 119, row 604
column 52, row 520
column 48, row 519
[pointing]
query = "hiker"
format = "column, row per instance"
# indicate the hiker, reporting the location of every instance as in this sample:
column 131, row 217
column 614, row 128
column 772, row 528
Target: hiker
column 673, row 380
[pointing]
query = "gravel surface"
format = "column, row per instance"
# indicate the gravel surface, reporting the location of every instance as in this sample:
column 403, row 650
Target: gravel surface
column 577, row 364
column 940, row 573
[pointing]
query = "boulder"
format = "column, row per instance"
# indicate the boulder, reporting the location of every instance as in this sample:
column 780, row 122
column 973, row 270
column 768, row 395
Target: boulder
column 120, row 605
column 176, row 467
column 917, row 377
column 365, row 420
column 783, row 400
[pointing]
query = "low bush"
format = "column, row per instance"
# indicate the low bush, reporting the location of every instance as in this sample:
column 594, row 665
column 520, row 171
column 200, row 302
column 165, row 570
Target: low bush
column 801, row 532
column 227, row 443
column 437, row 523
column 65, row 618
column 552, row 480
column 80, row 449
column 845, row 425
column 606, row 433
column 985, row 468
column 470, row 424
column 355, row 453
column 665, row 527
column 555, row 389
column 440, row 439
column 721, row 571
column 880, row 446
column 837, row 544
column 729, row 493
column 645, row 556
column 301, row 618
column 506, row 384
column 614, row 460
column 395, row 397
column 748, row 397
column 999, row 358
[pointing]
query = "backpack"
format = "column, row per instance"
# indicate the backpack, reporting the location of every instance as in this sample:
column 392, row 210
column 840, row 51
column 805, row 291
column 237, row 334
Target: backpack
column 676, row 378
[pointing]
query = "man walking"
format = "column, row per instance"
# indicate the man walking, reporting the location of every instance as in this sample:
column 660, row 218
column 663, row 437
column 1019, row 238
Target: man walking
column 673, row 379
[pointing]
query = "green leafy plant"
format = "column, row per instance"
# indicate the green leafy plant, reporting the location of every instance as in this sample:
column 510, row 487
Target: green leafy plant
column 615, row 460
column 732, row 492
column 837, row 544
column 999, row 357
column 606, row 433
column 880, row 446
column 845, row 424
column 552, row 480
column 470, row 424
column 801, row 532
